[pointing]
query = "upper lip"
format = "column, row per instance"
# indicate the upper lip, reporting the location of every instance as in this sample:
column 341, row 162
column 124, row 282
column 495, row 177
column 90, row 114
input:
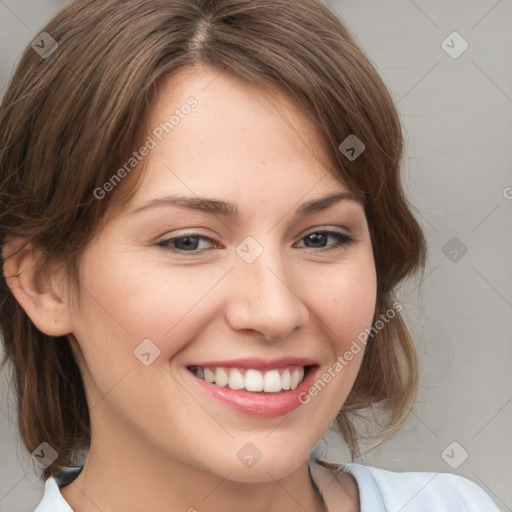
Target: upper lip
column 258, row 363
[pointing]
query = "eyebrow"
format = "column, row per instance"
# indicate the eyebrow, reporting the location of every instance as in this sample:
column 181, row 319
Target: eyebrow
column 229, row 210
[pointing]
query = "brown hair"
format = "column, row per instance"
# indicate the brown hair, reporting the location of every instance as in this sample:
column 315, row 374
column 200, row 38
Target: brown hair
column 69, row 120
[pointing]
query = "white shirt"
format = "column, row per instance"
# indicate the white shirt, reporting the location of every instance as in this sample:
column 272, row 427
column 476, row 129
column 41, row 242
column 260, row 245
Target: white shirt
column 379, row 491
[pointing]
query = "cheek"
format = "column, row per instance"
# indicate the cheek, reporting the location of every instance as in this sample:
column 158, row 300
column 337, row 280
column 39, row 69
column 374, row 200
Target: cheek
column 345, row 301
column 125, row 300
column 123, row 295
column 345, row 305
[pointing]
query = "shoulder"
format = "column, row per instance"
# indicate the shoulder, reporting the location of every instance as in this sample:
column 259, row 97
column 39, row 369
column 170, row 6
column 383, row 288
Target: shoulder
column 418, row 491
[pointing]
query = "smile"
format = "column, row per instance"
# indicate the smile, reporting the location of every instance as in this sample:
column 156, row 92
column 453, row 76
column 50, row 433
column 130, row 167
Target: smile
column 250, row 379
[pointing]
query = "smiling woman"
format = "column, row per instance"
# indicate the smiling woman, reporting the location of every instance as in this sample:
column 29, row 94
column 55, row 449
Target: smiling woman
column 172, row 328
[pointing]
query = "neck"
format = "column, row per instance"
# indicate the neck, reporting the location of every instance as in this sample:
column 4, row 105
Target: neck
column 124, row 473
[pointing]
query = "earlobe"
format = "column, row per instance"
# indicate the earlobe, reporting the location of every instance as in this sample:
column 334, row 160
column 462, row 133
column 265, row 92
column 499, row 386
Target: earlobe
column 35, row 289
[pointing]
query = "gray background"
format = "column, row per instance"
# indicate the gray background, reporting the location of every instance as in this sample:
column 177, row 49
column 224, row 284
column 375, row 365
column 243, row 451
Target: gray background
column 457, row 116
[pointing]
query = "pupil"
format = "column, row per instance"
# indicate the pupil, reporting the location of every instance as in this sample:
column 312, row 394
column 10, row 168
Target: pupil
column 185, row 242
column 315, row 238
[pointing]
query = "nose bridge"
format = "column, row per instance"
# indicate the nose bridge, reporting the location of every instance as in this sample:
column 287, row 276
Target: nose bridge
column 264, row 298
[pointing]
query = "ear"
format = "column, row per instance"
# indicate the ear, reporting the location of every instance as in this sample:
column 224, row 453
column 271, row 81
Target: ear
column 42, row 294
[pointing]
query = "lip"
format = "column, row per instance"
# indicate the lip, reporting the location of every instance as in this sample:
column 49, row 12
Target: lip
column 258, row 364
column 261, row 405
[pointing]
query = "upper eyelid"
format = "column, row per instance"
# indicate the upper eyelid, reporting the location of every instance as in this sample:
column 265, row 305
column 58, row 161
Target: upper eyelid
column 336, row 230
column 190, row 232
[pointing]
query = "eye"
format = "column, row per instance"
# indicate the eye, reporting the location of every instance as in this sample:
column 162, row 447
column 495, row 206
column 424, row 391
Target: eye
column 318, row 240
column 188, row 243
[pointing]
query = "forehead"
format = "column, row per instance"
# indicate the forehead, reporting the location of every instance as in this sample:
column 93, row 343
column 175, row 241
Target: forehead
column 214, row 132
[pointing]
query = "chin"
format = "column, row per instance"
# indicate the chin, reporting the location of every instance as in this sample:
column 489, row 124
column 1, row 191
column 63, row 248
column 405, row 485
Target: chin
column 275, row 465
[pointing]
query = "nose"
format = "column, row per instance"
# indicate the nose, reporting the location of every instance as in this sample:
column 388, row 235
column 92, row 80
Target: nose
column 263, row 297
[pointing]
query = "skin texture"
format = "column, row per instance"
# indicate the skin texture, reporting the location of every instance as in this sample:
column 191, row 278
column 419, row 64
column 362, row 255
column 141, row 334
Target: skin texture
column 158, row 441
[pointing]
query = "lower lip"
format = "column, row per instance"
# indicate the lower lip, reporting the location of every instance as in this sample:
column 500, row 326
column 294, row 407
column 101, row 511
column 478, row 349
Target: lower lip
column 262, row 405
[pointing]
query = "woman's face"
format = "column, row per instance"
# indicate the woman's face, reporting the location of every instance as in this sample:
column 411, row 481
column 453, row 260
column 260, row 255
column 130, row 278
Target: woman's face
column 168, row 288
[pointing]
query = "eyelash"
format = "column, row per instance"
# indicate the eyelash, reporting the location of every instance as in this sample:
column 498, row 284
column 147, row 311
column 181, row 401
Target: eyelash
column 342, row 240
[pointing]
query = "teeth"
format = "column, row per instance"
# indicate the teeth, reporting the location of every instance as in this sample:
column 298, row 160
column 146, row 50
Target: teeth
column 271, row 381
column 209, row 376
column 236, row 379
column 253, row 380
column 296, row 378
column 221, row 377
column 286, row 380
